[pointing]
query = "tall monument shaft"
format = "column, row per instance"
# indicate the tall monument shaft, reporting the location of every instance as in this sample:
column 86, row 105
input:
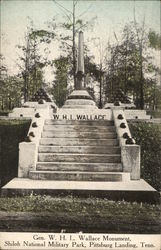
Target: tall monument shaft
column 80, row 63
column 80, row 98
column 81, row 53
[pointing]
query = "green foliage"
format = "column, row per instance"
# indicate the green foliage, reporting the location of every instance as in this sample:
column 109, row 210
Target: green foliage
column 67, row 26
column 63, row 73
column 79, row 21
column 152, row 94
column 149, row 137
column 11, row 133
column 154, row 40
column 128, row 63
column 10, row 92
column 157, row 98
column 67, row 32
column 59, row 89
column 43, row 34
column 155, row 113
column 32, row 63
column 91, row 68
column 30, row 78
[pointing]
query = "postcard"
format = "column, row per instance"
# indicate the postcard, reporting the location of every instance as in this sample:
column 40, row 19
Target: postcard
column 80, row 124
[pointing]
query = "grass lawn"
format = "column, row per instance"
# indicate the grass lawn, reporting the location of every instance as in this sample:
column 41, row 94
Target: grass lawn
column 73, row 214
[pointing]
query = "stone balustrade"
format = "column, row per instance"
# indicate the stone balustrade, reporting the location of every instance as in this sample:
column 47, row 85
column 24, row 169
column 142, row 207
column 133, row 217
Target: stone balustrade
column 28, row 150
column 130, row 152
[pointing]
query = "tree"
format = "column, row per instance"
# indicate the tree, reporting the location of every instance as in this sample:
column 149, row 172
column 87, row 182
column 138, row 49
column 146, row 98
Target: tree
column 32, row 61
column 3, row 77
column 70, row 27
column 92, row 74
column 10, row 89
column 65, row 34
column 154, row 39
column 141, row 45
column 155, row 44
column 30, row 67
column 101, row 68
column 59, row 89
column 130, row 63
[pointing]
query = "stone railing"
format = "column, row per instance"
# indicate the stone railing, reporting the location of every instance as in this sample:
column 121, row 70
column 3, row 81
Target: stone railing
column 130, row 152
column 28, row 150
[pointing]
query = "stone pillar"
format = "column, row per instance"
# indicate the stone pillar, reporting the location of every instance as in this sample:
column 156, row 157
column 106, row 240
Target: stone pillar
column 80, row 63
column 27, row 158
column 131, row 160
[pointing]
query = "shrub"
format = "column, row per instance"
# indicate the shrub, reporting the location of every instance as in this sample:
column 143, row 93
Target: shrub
column 11, row 133
column 148, row 136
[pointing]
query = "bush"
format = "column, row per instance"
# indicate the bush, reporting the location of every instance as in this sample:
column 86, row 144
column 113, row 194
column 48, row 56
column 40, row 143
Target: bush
column 148, row 136
column 155, row 114
column 4, row 112
column 11, row 133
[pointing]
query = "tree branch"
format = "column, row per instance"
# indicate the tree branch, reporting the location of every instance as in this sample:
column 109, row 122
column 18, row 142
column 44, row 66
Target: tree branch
column 62, row 6
column 75, row 3
column 84, row 11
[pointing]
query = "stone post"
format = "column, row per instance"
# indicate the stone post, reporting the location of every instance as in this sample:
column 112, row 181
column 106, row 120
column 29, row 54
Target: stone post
column 131, row 160
column 27, row 158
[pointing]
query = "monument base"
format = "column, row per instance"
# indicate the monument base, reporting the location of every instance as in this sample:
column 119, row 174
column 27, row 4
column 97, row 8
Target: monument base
column 139, row 190
column 80, row 99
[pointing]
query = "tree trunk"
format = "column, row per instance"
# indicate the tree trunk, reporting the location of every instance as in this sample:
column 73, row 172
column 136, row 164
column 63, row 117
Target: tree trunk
column 100, row 79
column 25, row 88
column 2, row 105
column 141, row 82
column 26, row 74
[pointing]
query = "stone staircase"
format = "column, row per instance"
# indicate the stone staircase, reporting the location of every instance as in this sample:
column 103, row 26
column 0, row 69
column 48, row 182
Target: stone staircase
column 79, row 158
column 73, row 150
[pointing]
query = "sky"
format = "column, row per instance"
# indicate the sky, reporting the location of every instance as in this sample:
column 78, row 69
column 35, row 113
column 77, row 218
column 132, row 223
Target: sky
column 112, row 15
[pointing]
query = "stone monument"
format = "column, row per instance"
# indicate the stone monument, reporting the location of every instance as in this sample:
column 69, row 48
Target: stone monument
column 81, row 150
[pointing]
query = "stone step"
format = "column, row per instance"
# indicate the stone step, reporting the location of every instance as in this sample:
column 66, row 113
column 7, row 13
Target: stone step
column 78, row 176
column 85, row 128
column 78, row 142
column 79, row 122
column 76, row 166
column 80, row 134
column 50, row 157
column 80, row 149
column 131, row 191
